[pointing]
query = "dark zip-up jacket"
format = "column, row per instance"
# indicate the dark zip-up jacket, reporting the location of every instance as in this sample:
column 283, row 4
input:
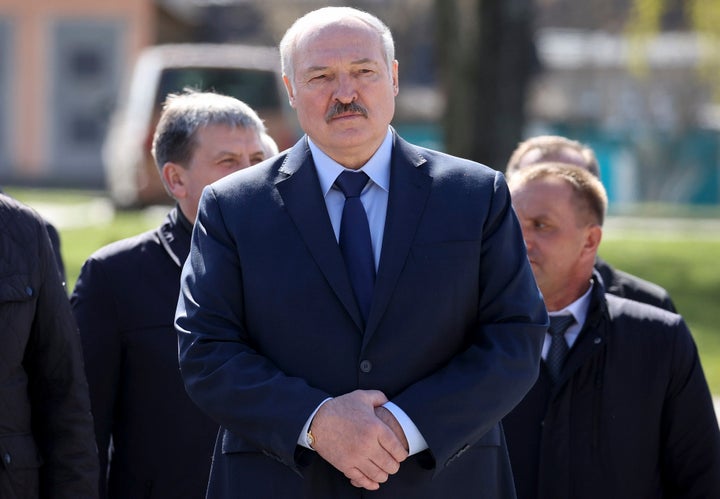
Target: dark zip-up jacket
column 153, row 441
column 630, row 418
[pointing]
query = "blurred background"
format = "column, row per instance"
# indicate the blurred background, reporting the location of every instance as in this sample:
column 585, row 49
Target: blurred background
column 637, row 80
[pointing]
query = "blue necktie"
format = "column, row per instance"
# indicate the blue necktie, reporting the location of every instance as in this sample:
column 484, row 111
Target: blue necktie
column 558, row 345
column 355, row 241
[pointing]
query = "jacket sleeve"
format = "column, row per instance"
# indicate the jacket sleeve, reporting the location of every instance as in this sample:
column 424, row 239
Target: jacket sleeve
column 502, row 360
column 224, row 373
column 690, row 458
column 61, row 418
column 93, row 304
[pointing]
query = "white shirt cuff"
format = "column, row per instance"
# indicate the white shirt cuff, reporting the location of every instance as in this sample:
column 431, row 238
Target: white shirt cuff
column 416, row 442
column 302, row 439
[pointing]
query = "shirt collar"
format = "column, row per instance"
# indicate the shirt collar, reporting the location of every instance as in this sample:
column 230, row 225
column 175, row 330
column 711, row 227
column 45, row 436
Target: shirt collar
column 578, row 308
column 377, row 167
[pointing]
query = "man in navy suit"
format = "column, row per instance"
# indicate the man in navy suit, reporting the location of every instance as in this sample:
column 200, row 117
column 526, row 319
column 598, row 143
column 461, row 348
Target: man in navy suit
column 153, row 441
column 325, row 387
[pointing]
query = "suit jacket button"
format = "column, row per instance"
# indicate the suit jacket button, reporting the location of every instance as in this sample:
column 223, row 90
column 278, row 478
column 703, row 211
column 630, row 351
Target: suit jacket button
column 366, row 366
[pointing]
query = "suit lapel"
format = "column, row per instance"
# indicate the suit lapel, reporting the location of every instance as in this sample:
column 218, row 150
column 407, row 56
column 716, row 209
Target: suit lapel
column 409, row 190
column 299, row 188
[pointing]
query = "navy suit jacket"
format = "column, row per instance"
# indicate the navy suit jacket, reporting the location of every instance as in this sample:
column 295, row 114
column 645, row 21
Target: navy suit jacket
column 268, row 326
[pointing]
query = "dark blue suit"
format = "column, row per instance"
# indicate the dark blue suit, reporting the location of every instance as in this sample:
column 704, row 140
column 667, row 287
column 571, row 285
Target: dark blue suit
column 268, row 326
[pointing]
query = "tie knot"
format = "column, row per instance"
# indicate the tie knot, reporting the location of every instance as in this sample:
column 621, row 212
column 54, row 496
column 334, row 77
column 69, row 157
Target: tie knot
column 351, row 183
column 560, row 323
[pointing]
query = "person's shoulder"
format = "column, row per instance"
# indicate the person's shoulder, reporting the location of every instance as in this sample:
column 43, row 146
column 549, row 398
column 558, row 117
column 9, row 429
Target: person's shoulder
column 655, row 334
column 12, row 208
column 442, row 162
column 126, row 248
column 643, row 320
column 626, row 285
column 19, row 221
column 259, row 177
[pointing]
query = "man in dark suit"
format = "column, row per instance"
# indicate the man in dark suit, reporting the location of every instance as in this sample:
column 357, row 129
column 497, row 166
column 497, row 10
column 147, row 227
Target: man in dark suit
column 325, row 383
column 621, row 408
column 555, row 148
column 153, row 441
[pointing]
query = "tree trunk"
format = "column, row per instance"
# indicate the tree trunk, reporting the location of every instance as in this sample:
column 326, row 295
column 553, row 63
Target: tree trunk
column 487, row 56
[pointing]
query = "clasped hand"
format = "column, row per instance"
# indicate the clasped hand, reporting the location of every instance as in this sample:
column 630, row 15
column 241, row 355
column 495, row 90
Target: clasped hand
column 359, row 437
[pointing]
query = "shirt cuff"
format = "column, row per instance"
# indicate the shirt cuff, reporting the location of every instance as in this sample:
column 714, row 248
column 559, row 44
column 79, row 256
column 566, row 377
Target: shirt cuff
column 302, row 439
column 416, row 442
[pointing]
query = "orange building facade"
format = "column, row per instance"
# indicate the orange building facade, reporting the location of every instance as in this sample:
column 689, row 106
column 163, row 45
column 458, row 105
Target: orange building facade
column 62, row 64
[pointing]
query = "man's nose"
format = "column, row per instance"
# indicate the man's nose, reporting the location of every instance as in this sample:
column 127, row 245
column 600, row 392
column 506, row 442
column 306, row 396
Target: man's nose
column 346, row 91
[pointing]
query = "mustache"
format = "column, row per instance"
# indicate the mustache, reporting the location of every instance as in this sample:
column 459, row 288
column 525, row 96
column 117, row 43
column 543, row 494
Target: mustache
column 341, row 108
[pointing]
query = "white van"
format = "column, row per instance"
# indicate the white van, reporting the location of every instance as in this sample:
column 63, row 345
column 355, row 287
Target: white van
column 250, row 73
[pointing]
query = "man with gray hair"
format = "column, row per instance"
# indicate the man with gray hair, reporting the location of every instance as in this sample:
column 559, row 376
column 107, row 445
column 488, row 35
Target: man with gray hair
column 357, row 312
column 153, row 441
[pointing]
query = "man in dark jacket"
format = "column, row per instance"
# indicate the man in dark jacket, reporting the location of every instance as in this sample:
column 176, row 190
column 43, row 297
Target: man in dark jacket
column 46, row 441
column 621, row 408
column 153, row 441
column 544, row 148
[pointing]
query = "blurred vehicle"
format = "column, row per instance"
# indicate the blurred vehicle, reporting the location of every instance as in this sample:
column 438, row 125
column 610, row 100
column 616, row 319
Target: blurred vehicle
column 250, row 73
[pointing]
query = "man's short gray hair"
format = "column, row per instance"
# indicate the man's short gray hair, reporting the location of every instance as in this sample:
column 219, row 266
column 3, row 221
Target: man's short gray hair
column 185, row 113
column 322, row 17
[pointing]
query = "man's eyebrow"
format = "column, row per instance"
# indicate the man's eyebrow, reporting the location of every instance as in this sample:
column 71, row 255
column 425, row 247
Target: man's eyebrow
column 313, row 69
column 364, row 60
column 357, row 62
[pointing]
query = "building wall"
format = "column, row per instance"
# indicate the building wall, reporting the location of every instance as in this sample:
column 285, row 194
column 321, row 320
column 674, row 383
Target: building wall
column 60, row 70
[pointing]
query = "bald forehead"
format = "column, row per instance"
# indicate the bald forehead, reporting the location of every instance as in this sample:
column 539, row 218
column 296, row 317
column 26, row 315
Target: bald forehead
column 320, row 28
column 564, row 155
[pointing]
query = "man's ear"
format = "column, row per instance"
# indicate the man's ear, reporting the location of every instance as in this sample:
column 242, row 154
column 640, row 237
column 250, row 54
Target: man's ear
column 174, row 178
column 395, row 77
column 289, row 88
column 593, row 238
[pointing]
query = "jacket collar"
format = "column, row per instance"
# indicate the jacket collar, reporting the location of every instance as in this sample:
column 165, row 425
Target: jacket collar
column 174, row 235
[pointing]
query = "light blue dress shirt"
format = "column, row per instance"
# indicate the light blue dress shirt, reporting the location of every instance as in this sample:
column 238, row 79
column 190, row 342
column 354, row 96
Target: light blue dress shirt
column 374, row 198
column 579, row 310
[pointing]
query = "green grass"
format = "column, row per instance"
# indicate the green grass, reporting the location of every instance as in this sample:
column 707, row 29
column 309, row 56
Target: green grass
column 684, row 263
